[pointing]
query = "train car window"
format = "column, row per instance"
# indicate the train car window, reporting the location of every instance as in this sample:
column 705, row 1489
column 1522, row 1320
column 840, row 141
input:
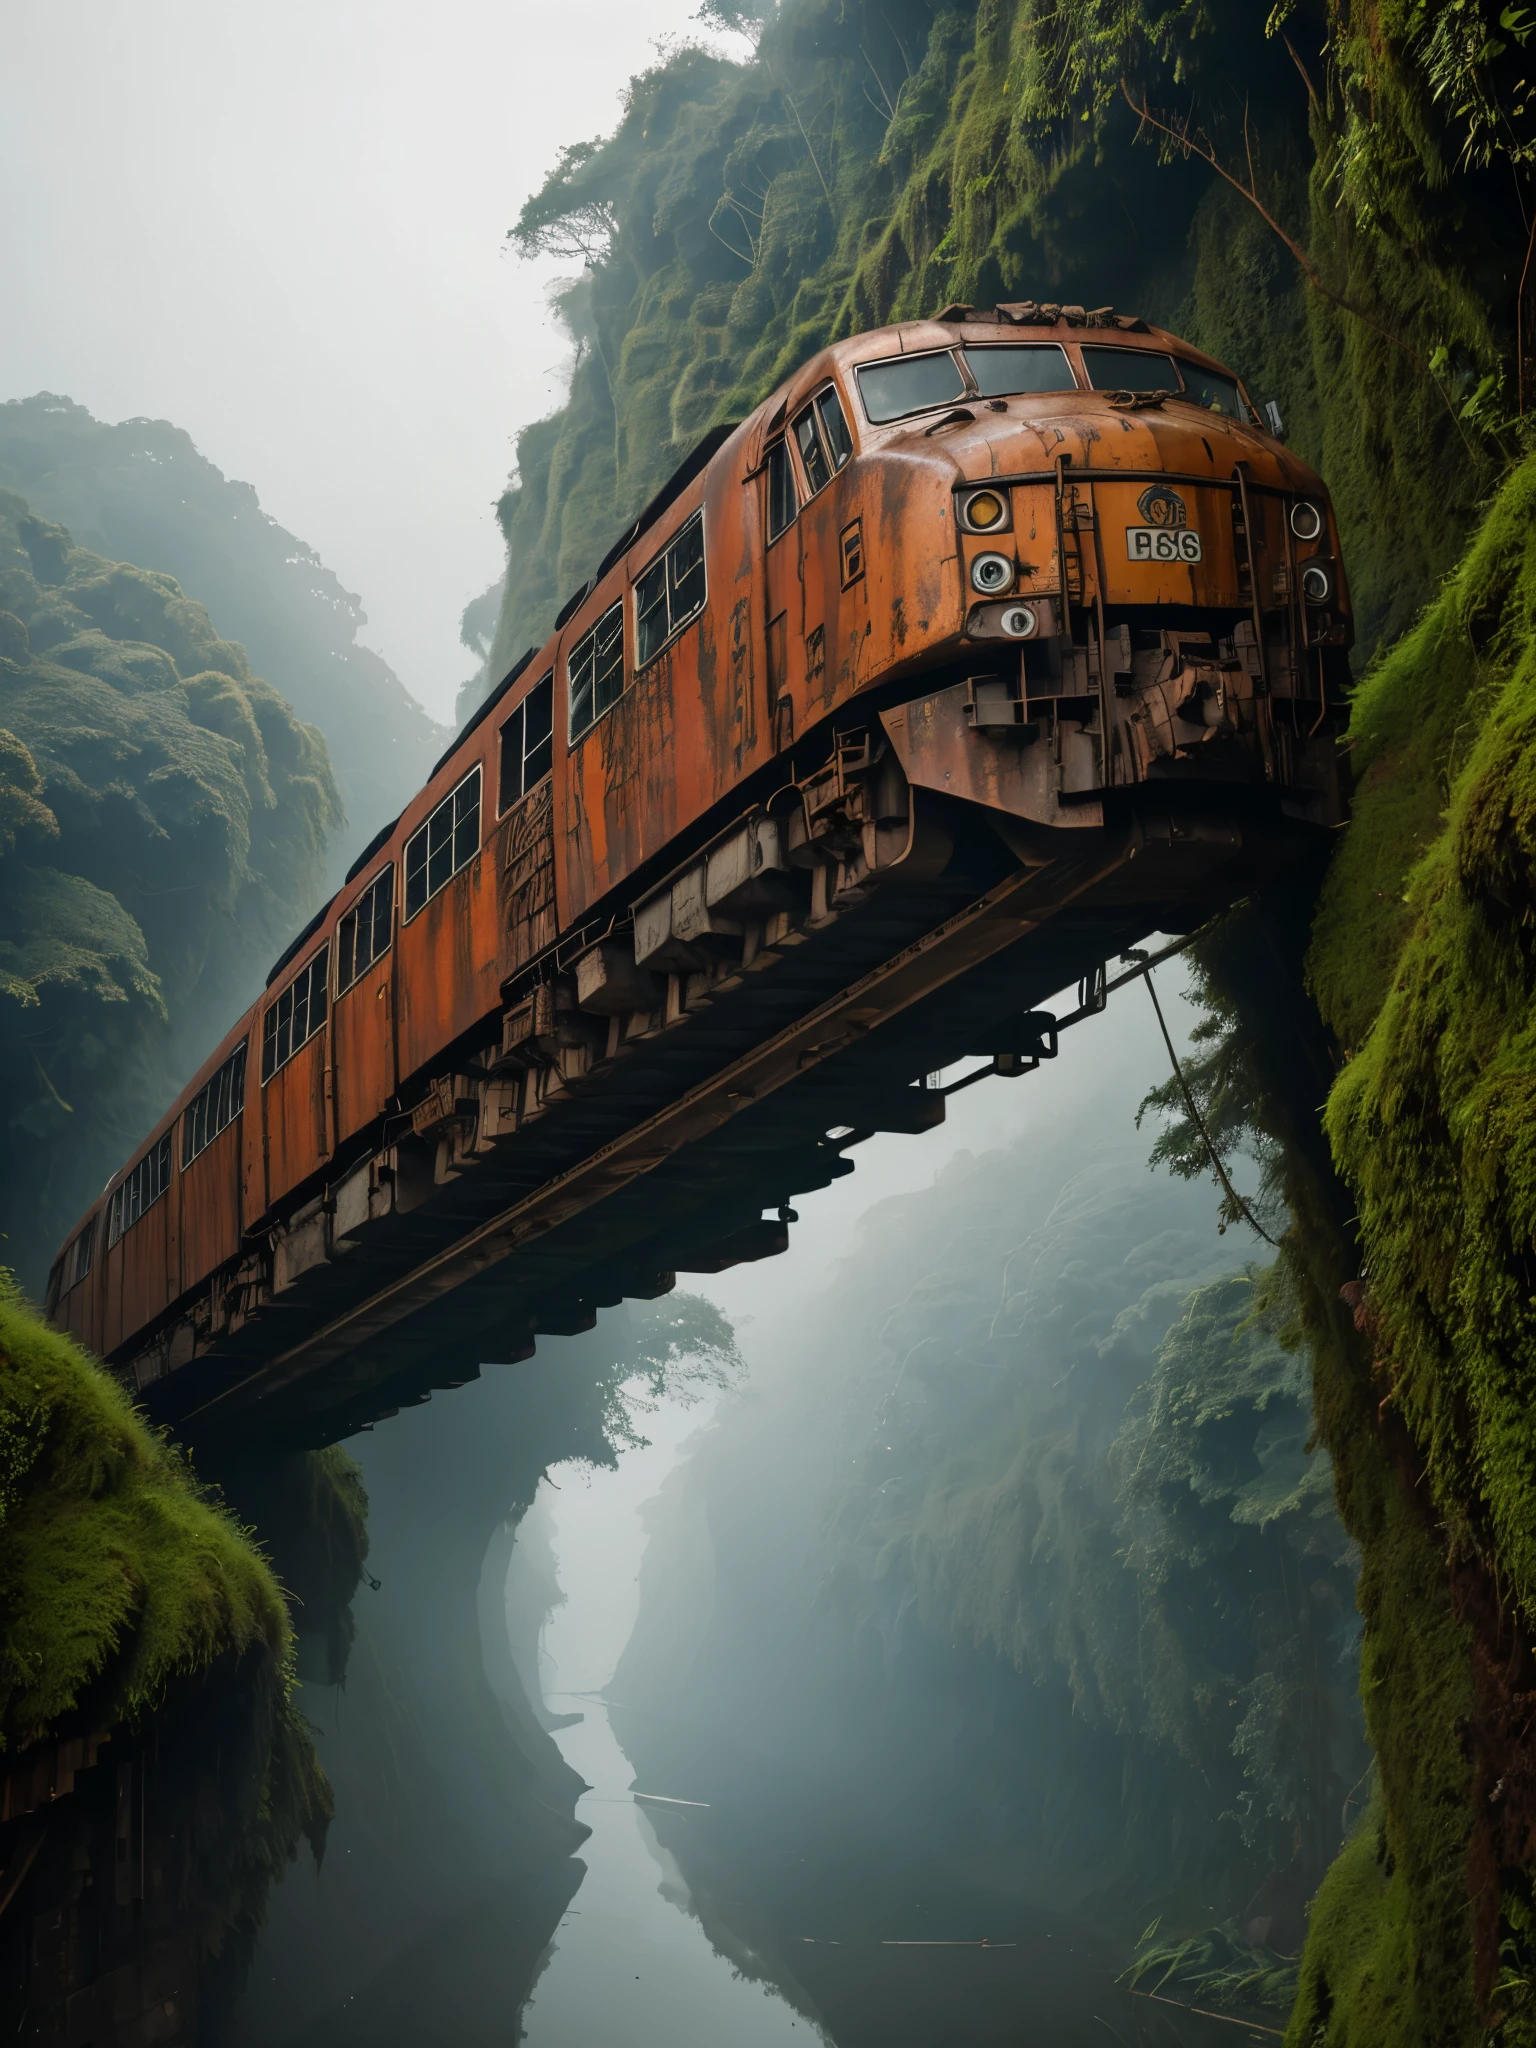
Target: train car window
column 1130, row 369
column 671, row 592
column 834, row 428
column 1008, row 371
column 213, row 1108
column 364, row 934
column 447, row 842
column 527, row 743
column 813, row 457
column 297, row 1014
column 595, row 670
column 140, row 1191
column 906, row 384
column 72, row 1268
column 1214, row 391
column 783, row 500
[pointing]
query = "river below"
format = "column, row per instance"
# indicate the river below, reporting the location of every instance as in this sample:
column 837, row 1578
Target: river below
column 734, row 1909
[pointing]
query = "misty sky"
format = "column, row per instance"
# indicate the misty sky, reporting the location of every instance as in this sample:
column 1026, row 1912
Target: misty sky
column 282, row 227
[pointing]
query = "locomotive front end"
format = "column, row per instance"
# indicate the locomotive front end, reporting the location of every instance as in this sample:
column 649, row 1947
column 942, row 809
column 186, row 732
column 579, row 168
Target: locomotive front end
column 1150, row 607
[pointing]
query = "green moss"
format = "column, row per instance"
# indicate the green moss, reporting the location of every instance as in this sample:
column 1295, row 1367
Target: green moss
column 1432, row 1121
column 119, row 1577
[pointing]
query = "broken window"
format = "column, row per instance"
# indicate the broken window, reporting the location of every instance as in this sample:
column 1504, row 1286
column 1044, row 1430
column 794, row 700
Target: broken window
column 364, row 934
column 447, row 842
column 783, row 503
column 670, row 593
column 296, row 1016
column 140, row 1191
column 527, row 743
column 595, row 670
column 213, row 1108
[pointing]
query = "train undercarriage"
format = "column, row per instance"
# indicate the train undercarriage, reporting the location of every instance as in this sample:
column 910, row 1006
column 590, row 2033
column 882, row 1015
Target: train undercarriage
column 661, row 1085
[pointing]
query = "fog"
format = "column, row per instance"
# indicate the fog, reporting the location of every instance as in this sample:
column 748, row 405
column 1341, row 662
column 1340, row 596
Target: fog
column 282, row 228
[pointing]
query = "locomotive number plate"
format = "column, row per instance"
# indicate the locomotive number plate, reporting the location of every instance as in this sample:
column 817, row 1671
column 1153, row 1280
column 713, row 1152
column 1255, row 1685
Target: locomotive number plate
column 1162, row 544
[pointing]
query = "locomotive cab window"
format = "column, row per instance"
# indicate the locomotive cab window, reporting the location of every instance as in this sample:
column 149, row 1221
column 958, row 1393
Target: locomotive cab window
column 1009, row 371
column 364, row 934
column 670, row 593
column 594, row 670
column 783, row 500
column 527, row 743
column 445, row 844
column 903, row 385
column 296, row 1016
column 1217, row 393
column 822, row 436
column 213, row 1108
column 140, row 1191
column 1130, row 369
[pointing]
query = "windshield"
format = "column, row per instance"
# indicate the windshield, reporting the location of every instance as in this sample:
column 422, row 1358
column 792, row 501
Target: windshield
column 1130, row 369
column 907, row 384
column 1217, row 393
column 1009, row 371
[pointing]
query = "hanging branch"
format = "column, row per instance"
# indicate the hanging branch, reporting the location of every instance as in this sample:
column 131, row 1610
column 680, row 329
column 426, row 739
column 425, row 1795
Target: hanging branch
column 1238, row 1204
column 809, row 150
column 1193, row 143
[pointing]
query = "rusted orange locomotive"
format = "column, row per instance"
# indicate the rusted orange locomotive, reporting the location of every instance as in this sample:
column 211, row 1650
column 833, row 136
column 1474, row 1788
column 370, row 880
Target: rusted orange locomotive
column 988, row 644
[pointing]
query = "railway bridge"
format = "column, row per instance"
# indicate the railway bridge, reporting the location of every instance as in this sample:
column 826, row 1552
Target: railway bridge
column 988, row 646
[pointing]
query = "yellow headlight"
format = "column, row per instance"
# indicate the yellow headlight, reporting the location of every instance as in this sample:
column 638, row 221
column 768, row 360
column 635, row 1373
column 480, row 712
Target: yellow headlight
column 985, row 511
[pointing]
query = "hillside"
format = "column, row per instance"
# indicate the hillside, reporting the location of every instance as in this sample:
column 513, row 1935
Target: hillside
column 140, row 491
column 164, row 824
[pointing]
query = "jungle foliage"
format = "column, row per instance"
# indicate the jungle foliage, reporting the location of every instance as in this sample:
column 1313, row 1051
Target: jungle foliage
column 140, row 491
column 163, row 823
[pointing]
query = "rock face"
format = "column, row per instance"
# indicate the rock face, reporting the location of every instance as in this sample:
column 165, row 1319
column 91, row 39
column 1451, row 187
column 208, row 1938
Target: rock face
column 154, row 1776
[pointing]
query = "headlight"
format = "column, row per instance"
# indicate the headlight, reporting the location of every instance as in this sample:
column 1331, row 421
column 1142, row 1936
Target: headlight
column 985, row 510
column 1316, row 583
column 991, row 574
column 1019, row 622
column 1306, row 519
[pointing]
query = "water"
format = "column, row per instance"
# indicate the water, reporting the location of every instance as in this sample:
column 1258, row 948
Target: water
column 834, row 1939
column 629, row 1962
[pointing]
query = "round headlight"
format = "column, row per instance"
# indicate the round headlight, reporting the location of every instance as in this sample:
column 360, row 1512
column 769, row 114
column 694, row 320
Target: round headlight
column 1316, row 583
column 1019, row 622
column 991, row 574
column 1306, row 519
column 985, row 510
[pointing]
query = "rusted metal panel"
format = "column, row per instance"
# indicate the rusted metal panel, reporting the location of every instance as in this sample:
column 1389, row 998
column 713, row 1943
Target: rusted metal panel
column 209, row 1194
column 526, row 866
column 295, row 1118
column 448, row 968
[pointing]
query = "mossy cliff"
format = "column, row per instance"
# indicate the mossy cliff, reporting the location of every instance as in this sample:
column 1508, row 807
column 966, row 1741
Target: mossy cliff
column 1335, row 197
column 131, row 1605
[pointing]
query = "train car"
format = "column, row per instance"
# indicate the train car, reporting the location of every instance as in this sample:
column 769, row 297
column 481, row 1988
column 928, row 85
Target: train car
column 987, row 644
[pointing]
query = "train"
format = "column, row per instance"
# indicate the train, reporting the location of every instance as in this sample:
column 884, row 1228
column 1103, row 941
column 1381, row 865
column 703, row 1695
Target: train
column 986, row 644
